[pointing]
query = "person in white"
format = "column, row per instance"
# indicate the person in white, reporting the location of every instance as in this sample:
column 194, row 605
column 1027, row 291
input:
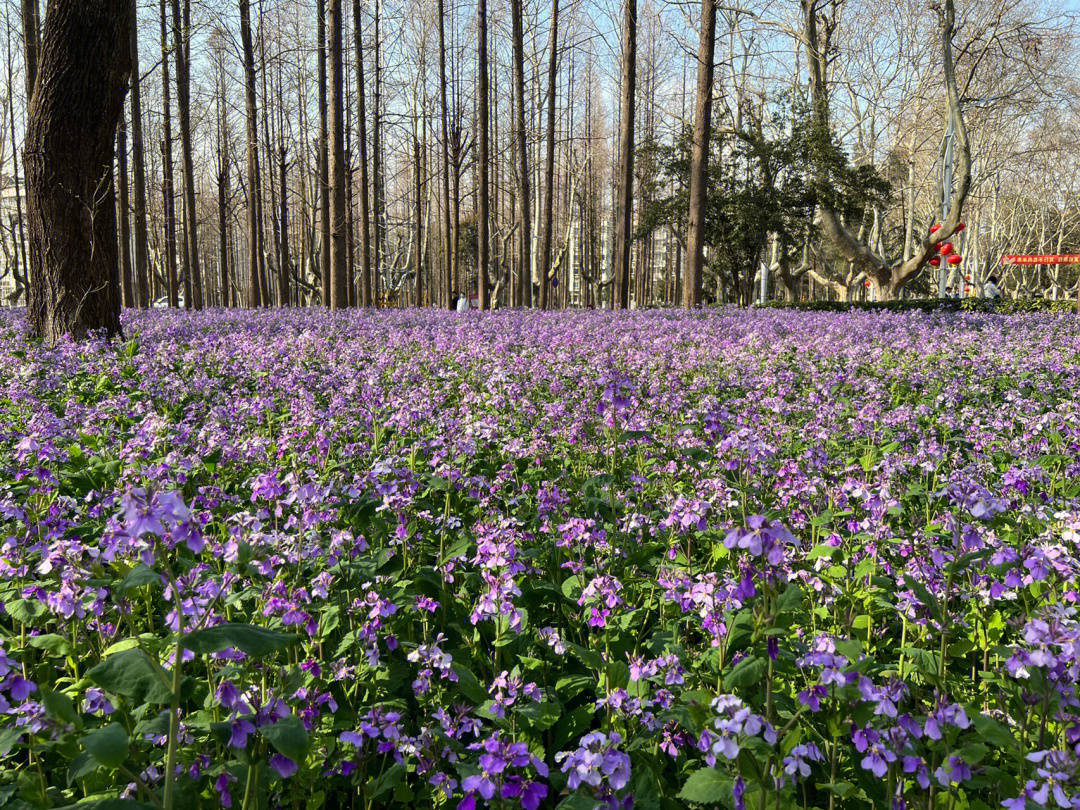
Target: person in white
column 462, row 303
column 991, row 289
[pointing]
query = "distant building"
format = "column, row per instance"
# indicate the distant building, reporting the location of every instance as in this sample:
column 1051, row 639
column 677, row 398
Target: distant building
column 11, row 192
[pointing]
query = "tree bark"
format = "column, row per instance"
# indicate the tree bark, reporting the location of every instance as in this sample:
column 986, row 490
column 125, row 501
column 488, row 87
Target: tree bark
column 448, row 248
column 138, row 165
column 482, row 236
column 361, row 139
column 339, row 294
column 549, row 169
column 31, row 25
column 168, row 189
column 70, row 147
column 254, row 202
column 122, row 211
column 624, row 200
column 699, row 160
column 182, row 49
column 324, row 170
column 523, row 291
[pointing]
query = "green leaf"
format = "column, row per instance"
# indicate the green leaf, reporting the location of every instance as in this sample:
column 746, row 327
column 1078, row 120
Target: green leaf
column 8, row 738
column 469, row 685
column 60, row 707
column 541, row 715
column 706, row 786
column 26, row 611
column 747, row 672
column 974, row 753
column 578, row 801
column 253, row 640
column 139, row 576
column 993, row 732
column 80, row 766
column 132, row 674
column 108, row 745
column 924, row 595
column 108, row 804
column 289, row 737
column 385, row 783
column 51, row 643
column 790, row 600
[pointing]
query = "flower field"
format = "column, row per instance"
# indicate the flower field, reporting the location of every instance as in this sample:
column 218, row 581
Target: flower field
column 760, row 559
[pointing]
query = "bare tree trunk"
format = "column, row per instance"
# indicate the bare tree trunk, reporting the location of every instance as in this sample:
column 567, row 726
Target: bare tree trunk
column 418, row 257
column 168, row 190
column 448, row 265
column 377, row 181
column 254, row 203
column 223, row 179
column 483, row 214
column 70, row 147
column 138, row 163
column 324, row 171
column 361, row 138
column 338, row 232
column 125, row 223
column 549, row 170
column 182, row 48
column 31, row 25
column 699, row 160
column 624, row 200
column 22, row 283
column 523, row 291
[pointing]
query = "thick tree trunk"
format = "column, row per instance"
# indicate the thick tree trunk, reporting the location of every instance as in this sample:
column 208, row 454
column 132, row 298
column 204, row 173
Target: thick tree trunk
column 523, row 290
column 361, row 138
column 699, row 160
column 138, row 165
column 70, row 147
column 339, row 295
column 168, row 190
column 482, row 236
column 548, row 226
column 254, row 202
column 182, row 50
column 624, row 199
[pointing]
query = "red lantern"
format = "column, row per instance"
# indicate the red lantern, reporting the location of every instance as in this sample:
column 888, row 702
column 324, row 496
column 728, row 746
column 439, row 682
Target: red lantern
column 960, row 227
column 935, row 228
column 937, row 248
column 955, row 259
column 935, row 261
column 967, row 278
column 866, row 284
column 946, row 249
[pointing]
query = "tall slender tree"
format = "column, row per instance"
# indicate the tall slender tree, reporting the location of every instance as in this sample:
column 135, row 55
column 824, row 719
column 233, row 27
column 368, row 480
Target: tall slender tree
column 483, row 214
column 31, row 26
column 523, row 290
column 324, row 169
column 254, row 201
column 361, row 145
column 448, row 247
column 138, row 165
column 339, row 294
column 123, row 206
column 549, row 169
column 699, row 159
column 182, row 52
column 624, row 196
column 168, row 187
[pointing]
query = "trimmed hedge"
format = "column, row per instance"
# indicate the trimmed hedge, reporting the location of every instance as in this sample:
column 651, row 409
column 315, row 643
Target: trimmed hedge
column 1000, row 306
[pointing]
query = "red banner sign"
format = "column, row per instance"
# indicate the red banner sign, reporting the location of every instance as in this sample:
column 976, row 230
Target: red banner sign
column 1043, row 259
